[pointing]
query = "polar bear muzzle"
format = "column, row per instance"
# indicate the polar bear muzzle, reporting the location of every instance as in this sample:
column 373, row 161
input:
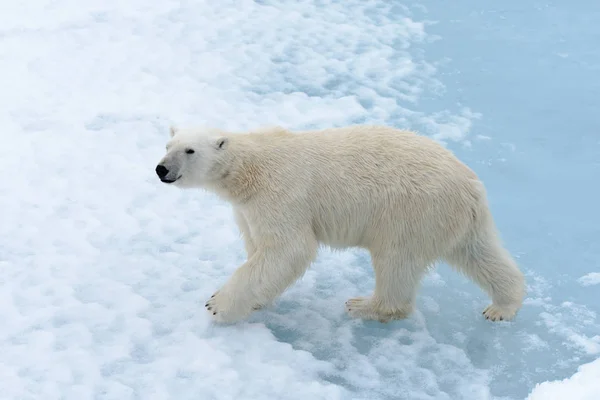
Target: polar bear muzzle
column 165, row 174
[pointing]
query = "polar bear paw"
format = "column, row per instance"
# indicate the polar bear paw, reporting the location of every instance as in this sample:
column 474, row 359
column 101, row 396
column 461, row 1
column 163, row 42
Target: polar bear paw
column 366, row 308
column 497, row 313
column 218, row 307
column 223, row 308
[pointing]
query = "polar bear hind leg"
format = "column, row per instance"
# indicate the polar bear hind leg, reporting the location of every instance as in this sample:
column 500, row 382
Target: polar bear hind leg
column 483, row 259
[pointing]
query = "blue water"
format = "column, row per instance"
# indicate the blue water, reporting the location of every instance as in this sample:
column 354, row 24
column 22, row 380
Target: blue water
column 530, row 69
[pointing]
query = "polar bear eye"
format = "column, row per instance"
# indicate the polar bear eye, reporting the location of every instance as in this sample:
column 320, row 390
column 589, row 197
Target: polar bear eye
column 189, row 151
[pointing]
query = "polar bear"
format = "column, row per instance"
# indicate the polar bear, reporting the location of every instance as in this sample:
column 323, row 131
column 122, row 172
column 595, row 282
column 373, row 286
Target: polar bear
column 402, row 196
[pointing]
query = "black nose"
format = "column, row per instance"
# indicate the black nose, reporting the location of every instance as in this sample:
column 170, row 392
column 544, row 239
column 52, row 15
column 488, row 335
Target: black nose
column 161, row 171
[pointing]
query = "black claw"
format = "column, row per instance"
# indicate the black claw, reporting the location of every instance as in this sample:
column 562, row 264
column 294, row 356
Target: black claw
column 206, row 305
column 209, row 308
column 215, row 313
column 212, row 296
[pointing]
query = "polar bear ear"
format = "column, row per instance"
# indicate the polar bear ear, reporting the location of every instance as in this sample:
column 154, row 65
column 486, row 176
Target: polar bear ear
column 221, row 143
column 172, row 130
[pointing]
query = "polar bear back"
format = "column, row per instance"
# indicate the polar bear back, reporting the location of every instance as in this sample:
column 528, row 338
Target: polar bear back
column 358, row 186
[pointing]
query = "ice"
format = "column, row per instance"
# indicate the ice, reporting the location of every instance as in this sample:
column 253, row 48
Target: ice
column 104, row 271
column 593, row 278
column 583, row 385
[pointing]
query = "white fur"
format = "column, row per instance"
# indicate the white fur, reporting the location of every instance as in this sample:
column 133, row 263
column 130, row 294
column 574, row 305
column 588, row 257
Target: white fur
column 402, row 196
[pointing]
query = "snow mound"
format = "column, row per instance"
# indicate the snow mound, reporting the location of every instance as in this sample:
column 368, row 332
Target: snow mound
column 583, row 385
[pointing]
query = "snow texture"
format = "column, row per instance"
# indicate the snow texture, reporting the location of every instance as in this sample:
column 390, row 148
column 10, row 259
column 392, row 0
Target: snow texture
column 583, row 385
column 104, row 270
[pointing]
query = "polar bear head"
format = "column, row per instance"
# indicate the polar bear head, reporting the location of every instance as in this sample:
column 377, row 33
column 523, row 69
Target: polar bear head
column 194, row 158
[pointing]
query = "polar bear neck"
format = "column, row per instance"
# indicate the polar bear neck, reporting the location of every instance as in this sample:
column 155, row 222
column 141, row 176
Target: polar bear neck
column 238, row 176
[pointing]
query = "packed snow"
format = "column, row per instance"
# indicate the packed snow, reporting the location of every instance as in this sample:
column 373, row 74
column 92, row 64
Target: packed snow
column 583, row 385
column 104, row 271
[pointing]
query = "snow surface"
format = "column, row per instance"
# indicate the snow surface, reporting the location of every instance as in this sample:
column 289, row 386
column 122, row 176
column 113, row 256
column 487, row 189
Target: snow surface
column 583, row 385
column 104, row 271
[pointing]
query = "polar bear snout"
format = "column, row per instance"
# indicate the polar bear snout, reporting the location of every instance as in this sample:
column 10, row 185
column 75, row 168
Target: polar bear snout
column 161, row 171
column 165, row 175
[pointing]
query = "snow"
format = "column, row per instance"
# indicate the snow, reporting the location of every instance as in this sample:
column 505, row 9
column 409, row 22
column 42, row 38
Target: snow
column 104, row 271
column 583, row 385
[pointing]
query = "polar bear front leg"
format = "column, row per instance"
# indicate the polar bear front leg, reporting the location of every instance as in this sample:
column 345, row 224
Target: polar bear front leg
column 257, row 282
column 244, row 228
column 397, row 277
